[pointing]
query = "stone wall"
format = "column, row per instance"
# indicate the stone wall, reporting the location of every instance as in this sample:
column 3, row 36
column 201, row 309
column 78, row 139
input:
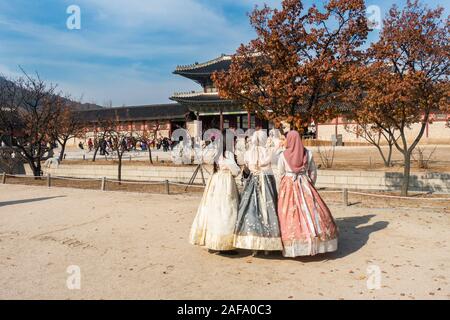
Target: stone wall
column 384, row 181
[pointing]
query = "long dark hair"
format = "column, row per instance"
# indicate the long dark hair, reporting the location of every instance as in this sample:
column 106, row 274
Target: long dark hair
column 224, row 149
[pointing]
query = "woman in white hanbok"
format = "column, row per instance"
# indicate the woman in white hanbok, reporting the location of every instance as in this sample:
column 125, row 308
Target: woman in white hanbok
column 215, row 222
column 182, row 152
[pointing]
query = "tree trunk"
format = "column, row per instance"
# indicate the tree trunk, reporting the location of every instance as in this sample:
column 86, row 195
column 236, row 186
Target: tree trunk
column 406, row 174
column 63, row 150
column 36, row 173
column 95, row 154
column 119, row 169
column 389, row 157
column 36, row 167
column 380, row 151
column 150, row 154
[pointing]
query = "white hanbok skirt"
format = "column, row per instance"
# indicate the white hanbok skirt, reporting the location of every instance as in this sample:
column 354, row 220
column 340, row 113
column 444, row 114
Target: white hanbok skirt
column 216, row 217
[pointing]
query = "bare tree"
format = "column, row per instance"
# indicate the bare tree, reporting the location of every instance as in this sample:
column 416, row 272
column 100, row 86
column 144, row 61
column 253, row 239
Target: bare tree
column 102, row 129
column 149, row 136
column 69, row 127
column 119, row 146
column 110, row 132
column 327, row 155
column 376, row 137
column 28, row 117
column 423, row 160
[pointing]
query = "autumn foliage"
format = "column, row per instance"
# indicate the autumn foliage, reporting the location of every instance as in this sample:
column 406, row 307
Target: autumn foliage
column 404, row 77
column 305, row 63
column 290, row 71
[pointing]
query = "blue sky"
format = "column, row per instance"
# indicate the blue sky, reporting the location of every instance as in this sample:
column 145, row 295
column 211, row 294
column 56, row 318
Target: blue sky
column 126, row 50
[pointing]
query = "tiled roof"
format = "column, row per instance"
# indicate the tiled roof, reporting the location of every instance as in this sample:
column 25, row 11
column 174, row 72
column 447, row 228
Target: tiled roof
column 199, row 97
column 139, row 113
column 221, row 63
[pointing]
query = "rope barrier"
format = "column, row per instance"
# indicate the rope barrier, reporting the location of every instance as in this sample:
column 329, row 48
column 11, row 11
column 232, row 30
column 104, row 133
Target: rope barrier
column 396, row 197
column 136, row 182
column 200, row 186
column 186, row 185
column 76, row 179
column 323, row 192
column 22, row 176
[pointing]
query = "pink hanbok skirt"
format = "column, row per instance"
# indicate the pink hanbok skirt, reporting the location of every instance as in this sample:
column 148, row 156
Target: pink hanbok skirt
column 307, row 226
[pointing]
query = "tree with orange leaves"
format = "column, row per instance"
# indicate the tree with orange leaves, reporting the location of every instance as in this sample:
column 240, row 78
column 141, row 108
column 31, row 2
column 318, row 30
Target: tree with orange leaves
column 405, row 77
column 290, row 71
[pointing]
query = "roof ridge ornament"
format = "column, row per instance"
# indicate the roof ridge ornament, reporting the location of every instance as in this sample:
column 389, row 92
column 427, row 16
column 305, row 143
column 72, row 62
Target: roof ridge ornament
column 198, row 65
column 194, row 94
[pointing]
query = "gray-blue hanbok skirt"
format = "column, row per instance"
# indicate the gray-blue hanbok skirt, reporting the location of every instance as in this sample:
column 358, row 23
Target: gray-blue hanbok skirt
column 257, row 226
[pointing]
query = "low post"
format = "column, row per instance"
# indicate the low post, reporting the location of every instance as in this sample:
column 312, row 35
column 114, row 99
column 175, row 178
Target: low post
column 167, row 187
column 345, row 197
column 103, row 184
column 49, row 180
column 4, row 178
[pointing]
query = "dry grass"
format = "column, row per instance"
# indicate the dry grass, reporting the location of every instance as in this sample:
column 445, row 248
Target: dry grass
column 110, row 185
column 323, row 143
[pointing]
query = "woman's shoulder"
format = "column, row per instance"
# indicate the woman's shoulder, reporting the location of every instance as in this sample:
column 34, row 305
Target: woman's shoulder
column 229, row 155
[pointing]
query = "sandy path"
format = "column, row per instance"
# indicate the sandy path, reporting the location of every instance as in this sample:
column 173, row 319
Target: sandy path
column 132, row 245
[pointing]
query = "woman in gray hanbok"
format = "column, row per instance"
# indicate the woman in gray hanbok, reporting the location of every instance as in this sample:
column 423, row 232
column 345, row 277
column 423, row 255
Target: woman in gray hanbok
column 257, row 226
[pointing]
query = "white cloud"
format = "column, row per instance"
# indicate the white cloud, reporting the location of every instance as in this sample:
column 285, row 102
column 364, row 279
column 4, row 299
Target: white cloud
column 189, row 16
column 113, row 55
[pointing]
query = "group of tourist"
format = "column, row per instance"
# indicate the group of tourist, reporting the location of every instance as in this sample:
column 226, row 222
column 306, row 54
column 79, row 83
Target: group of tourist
column 285, row 214
column 105, row 146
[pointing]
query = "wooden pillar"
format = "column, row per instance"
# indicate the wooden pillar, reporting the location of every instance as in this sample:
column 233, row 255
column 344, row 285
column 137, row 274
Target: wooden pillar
column 103, row 187
column 345, row 197
column 167, row 187
column 221, row 120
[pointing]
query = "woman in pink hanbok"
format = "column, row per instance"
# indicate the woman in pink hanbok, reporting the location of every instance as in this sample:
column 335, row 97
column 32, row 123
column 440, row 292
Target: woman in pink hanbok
column 307, row 226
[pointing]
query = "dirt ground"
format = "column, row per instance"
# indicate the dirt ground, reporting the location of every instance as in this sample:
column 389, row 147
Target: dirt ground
column 134, row 246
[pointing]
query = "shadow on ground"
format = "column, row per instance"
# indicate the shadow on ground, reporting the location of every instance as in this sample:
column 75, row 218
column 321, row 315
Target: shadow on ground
column 16, row 202
column 354, row 235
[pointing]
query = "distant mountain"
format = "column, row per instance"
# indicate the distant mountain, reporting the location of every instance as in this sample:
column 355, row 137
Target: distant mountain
column 85, row 106
column 76, row 105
